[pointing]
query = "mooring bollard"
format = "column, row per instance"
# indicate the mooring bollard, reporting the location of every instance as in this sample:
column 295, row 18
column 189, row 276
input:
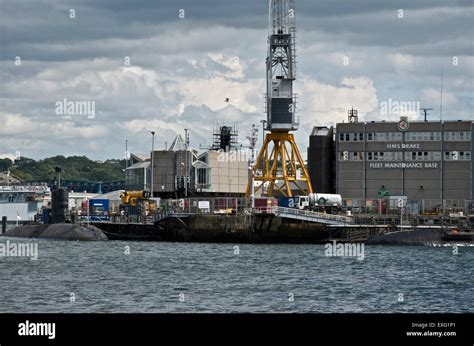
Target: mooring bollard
column 4, row 224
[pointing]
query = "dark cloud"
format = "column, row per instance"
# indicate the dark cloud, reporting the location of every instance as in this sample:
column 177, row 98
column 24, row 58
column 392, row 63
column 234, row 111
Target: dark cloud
column 36, row 28
column 189, row 61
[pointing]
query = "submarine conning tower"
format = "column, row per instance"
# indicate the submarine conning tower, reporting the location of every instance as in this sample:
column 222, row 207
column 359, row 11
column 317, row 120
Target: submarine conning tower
column 59, row 201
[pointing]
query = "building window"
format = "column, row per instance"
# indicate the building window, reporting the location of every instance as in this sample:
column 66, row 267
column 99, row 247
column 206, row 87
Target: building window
column 384, row 136
column 460, row 136
column 351, row 136
column 457, row 155
column 422, row 136
column 351, row 156
column 396, row 136
column 385, row 156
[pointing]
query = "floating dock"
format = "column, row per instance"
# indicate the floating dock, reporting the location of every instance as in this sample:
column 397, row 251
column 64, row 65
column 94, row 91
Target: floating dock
column 276, row 225
column 256, row 228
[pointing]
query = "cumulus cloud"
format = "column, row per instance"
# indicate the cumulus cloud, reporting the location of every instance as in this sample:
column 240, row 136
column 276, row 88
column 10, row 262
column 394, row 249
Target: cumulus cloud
column 433, row 96
column 326, row 104
column 181, row 72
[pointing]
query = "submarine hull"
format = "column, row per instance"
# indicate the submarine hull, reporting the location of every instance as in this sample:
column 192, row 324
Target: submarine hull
column 61, row 231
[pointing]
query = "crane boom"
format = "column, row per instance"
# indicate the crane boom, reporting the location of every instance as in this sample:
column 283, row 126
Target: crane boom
column 281, row 67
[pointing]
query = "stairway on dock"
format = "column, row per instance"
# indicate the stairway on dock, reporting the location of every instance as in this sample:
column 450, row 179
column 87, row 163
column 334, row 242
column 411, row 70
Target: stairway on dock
column 355, row 233
column 358, row 235
column 312, row 216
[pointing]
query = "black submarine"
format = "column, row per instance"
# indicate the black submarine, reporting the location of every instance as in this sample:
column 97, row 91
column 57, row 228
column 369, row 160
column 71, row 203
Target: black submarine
column 59, row 225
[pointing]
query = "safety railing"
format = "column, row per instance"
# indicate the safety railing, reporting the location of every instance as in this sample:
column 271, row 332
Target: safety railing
column 387, row 206
column 311, row 214
column 24, row 188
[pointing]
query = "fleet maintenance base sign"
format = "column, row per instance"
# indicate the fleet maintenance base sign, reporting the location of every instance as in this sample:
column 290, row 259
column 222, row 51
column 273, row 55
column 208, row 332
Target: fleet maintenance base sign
column 400, row 165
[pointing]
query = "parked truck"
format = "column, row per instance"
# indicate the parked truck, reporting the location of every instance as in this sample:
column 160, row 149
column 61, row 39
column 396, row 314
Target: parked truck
column 321, row 202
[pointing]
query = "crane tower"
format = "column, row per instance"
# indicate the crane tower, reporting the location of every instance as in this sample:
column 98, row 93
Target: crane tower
column 279, row 159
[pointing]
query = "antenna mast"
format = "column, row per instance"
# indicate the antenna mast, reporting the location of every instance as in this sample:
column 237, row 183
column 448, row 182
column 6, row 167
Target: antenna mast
column 441, row 96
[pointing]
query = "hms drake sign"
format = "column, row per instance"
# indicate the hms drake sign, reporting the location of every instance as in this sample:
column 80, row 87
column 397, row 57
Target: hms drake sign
column 398, row 165
column 403, row 146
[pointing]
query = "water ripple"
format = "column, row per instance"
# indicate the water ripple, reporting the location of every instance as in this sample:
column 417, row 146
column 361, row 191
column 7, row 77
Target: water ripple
column 191, row 277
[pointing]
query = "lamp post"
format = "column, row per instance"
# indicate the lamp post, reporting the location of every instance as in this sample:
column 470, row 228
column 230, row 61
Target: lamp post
column 264, row 122
column 152, row 163
column 253, row 142
column 126, row 153
column 186, row 163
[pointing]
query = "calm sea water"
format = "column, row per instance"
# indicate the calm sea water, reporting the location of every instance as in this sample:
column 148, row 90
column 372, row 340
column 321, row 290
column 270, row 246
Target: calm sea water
column 191, row 277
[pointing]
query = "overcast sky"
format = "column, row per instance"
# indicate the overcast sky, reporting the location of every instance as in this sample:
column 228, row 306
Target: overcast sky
column 351, row 53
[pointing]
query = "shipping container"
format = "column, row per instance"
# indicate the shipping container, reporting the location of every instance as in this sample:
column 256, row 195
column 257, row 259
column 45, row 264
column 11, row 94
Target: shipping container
column 99, row 209
column 287, row 202
column 265, row 205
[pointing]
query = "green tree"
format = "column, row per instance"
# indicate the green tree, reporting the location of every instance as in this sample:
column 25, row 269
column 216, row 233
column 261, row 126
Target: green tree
column 5, row 164
column 78, row 168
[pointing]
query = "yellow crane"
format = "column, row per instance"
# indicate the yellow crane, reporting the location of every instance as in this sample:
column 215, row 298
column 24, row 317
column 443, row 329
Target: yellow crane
column 279, row 159
column 131, row 197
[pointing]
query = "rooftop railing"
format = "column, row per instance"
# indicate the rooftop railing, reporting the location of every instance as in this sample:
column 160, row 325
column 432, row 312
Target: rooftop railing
column 24, row 188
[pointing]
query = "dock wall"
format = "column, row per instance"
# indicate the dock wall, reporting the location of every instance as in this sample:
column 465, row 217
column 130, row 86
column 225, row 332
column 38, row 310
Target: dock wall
column 263, row 228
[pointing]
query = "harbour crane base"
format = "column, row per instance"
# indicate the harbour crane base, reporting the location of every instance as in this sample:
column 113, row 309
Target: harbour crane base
column 277, row 163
